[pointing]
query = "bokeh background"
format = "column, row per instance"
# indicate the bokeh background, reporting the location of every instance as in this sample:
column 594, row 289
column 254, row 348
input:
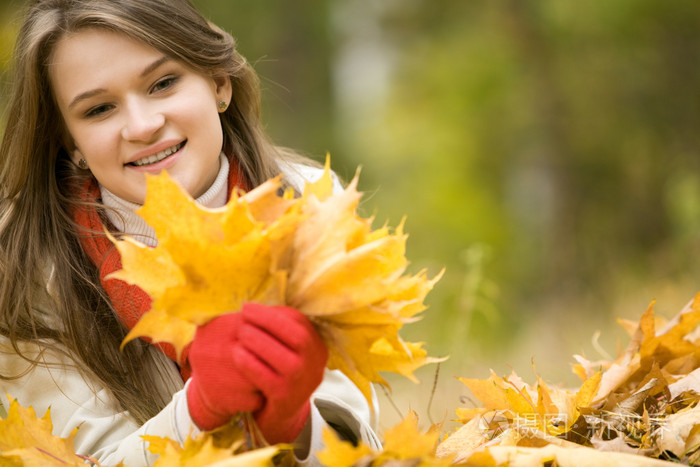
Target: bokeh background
column 545, row 152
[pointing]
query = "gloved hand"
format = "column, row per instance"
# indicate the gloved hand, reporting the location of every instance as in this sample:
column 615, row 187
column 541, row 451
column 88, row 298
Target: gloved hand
column 282, row 354
column 218, row 390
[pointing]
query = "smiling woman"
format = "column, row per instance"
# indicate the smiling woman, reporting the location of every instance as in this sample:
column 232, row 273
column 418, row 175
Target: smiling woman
column 105, row 92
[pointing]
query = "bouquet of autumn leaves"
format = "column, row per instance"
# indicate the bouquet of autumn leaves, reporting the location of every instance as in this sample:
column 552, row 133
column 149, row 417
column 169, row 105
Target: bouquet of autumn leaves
column 311, row 252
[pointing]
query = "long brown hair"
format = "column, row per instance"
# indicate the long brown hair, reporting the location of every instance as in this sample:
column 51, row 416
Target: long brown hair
column 45, row 275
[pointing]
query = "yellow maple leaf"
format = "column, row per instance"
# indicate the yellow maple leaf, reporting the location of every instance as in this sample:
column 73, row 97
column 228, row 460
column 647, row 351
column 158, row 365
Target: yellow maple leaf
column 207, row 261
column 313, row 253
column 339, row 453
column 334, row 252
column 661, row 349
column 28, row 440
column 498, row 393
column 488, row 391
column 550, row 410
column 588, row 390
column 196, row 452
column 363, row 343
column 403, row 442
column 225, row 446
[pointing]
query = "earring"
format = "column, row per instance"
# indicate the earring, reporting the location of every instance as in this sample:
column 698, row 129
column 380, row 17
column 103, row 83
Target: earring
column 222, row 105
column 82, row 163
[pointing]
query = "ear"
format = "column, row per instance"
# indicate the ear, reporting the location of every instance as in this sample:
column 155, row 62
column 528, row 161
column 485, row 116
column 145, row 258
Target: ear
column 69, row 145
column 75, row 155
column 223, row 89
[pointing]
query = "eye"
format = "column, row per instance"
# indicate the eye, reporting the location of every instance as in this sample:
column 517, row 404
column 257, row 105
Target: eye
column 164, row 84
column 98, row 110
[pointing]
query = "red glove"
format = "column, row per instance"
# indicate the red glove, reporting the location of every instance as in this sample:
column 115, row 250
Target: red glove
column 282, row 354
column 218, row 390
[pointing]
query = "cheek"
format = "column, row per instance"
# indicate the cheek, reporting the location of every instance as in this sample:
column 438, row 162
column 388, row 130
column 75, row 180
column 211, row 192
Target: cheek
column 208, row 123
column 200, row 111
column 97, row 143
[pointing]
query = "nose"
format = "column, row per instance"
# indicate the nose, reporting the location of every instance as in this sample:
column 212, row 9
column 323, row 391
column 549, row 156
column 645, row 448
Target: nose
column 142, row 121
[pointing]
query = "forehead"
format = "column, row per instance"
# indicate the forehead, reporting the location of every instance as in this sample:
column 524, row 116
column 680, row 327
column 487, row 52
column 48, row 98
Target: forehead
column 94, row 58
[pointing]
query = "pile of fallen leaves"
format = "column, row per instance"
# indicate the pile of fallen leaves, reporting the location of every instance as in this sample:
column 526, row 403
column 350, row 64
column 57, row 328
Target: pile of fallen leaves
column 641, row 409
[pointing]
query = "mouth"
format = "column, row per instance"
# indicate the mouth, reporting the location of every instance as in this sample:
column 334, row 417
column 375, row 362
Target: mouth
column 158, row 156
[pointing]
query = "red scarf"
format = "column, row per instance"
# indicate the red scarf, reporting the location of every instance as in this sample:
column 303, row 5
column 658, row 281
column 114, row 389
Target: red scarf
column 129, row 301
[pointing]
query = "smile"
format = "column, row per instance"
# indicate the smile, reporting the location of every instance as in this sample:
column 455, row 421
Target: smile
column 159, row 156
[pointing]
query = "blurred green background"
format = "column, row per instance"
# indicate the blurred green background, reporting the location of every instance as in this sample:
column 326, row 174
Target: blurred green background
column 545, row 152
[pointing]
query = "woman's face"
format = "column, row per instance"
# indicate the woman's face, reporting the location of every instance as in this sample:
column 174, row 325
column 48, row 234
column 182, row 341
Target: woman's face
column 131, row 110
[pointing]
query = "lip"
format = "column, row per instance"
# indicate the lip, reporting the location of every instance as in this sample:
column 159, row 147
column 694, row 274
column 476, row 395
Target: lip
column 155, row 149
column 160, row 165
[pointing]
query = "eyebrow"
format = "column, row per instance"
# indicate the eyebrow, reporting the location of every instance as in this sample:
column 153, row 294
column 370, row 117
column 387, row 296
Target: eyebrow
column 153, row 66
column 93, row 92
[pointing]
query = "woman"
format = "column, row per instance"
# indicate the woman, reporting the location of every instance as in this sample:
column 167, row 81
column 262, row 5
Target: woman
column 104, row 92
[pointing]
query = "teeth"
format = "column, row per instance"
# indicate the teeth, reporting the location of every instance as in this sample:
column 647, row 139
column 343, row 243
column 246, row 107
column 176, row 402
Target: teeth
column 157, row 157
